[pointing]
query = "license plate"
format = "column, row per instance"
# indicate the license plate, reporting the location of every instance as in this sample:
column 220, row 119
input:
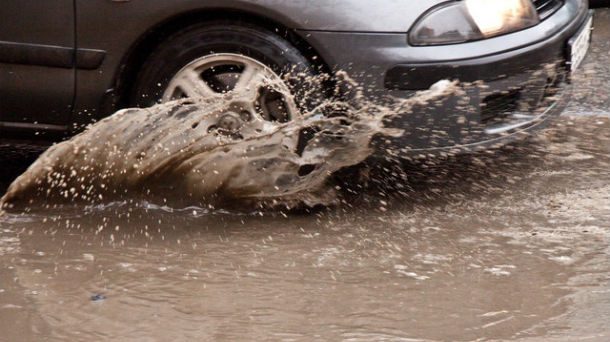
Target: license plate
column 579, row 44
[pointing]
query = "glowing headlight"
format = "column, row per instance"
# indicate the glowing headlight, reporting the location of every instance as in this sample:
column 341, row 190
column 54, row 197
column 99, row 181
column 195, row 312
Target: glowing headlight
column 501, row 16
column 462, row 21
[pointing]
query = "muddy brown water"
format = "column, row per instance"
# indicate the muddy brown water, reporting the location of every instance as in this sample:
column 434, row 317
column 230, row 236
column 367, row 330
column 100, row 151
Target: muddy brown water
column 505, row 245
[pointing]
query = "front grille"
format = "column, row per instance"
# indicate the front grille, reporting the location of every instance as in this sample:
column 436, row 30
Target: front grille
column 546, row 8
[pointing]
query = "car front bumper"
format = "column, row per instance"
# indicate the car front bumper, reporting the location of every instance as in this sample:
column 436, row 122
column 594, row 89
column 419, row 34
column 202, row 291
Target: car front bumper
column 512, row 84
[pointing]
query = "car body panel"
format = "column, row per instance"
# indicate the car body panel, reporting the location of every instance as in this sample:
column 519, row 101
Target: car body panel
column 36, row 63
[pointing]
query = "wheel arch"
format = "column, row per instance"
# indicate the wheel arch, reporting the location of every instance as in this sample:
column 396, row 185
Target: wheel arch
column 150, row 40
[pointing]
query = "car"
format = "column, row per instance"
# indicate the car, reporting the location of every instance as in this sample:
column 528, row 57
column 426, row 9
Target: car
column 67, row 63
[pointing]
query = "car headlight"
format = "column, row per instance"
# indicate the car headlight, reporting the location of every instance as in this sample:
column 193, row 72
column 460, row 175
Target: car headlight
column 467, row 20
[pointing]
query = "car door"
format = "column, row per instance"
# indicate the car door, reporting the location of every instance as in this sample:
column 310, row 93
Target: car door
column 37, row 74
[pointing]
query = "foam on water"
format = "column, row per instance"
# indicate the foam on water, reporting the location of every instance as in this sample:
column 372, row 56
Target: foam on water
column 181, row 151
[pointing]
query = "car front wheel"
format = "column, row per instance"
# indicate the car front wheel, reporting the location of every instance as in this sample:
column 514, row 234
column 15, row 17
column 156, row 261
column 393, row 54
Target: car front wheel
column 212, row 59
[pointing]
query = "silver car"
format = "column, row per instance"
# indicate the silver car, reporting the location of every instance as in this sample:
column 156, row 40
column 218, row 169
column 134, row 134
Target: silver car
column 66, row 63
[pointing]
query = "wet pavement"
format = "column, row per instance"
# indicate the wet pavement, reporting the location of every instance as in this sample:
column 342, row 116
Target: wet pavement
column 512, row 244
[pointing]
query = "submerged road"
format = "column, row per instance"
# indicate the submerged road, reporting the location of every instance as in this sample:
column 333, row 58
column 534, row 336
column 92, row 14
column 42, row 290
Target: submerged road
column 506, row 245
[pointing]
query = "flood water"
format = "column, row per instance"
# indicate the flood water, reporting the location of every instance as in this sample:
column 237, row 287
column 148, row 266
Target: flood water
column 508, row 245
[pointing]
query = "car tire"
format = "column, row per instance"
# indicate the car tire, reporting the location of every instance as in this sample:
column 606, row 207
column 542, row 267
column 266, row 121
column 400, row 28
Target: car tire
column 205, row 39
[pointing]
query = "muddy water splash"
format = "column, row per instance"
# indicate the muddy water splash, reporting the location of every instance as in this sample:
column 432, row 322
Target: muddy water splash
column 209, row 150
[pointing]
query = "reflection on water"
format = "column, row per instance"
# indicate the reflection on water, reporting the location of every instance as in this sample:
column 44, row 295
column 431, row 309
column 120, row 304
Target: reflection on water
column 508, row 245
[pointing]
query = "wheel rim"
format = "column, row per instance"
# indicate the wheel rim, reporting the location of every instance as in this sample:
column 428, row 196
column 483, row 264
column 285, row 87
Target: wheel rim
column 226, row 73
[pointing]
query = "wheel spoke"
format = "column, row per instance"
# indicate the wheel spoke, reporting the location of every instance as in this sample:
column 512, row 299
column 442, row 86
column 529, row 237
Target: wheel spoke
column 191, row 84
column 249, row 80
